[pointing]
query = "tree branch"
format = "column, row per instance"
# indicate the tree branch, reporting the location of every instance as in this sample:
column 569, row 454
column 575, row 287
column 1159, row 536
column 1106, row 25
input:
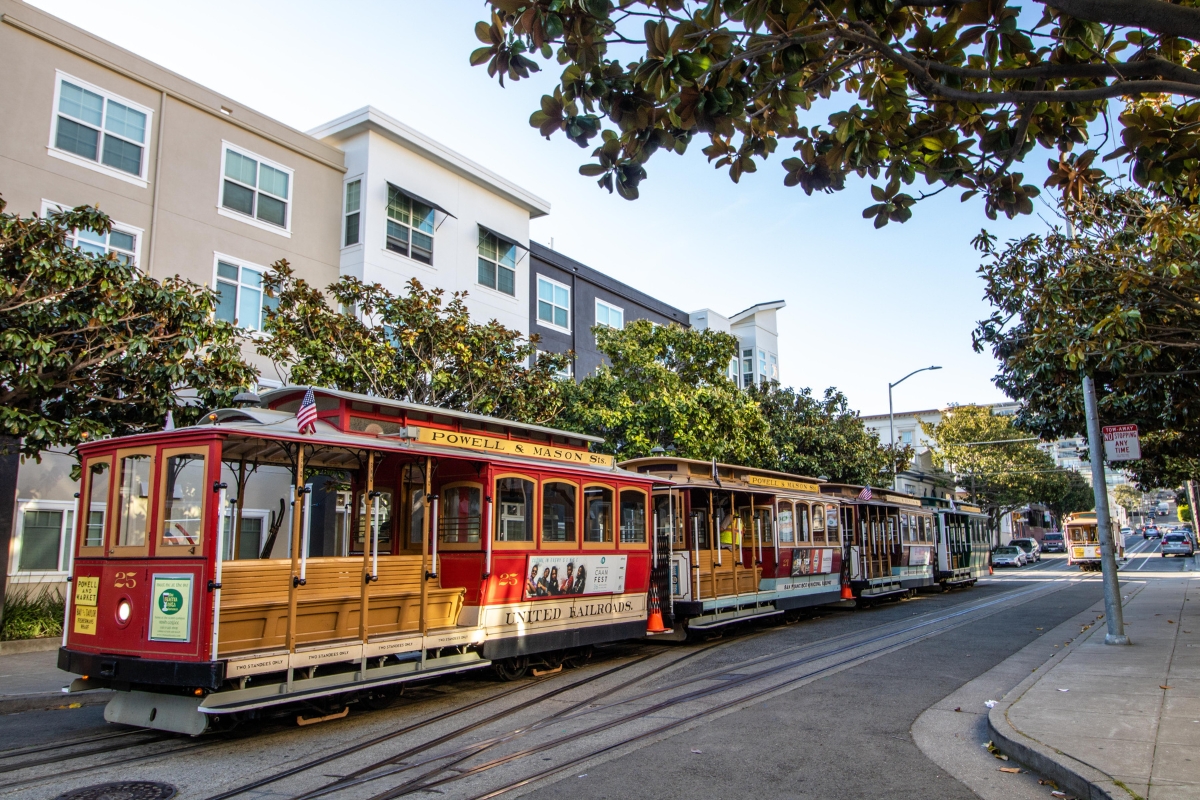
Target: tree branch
column 1155, row 15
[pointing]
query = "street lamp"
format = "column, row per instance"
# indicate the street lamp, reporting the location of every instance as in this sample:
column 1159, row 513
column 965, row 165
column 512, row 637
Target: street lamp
column 892, row 422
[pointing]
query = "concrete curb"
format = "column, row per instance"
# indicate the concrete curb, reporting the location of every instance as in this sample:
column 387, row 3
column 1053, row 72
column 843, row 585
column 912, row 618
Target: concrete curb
column 15, row 646
column 15, row 704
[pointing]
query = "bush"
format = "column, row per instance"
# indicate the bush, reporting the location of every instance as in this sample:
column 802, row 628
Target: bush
column 29, row 616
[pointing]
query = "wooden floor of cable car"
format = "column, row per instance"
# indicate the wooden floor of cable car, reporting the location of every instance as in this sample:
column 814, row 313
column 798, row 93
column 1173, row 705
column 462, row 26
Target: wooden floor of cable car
column 254, row 602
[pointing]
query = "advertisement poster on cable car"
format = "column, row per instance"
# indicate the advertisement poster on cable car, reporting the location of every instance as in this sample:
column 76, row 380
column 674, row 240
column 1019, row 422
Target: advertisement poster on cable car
column 574, row 575
column 171, row 608
column 811, row 561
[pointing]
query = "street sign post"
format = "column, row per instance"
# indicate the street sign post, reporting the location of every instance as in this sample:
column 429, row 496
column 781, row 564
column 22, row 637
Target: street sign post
column 1121, row 443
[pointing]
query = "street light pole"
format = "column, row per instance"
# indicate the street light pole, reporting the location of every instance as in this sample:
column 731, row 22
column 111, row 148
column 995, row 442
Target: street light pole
column 892, row 423
column 1108, row 559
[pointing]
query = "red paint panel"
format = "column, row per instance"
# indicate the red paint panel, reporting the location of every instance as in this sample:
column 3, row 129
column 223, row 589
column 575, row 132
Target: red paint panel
column 462, row 570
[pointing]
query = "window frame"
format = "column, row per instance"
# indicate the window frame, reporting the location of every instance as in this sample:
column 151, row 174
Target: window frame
column 611, row 307
column 484, row 232
column 461, row 546
column 52, row 149
column 162, row 546
column 553, row 305
column 535, row 513
column 541, row 495
column 614, row 535
column 50, row 207
column 346, row 212
column 813, row 516
column 67, row 522
column 263, row 515
column 647, row 520
column 407, row 255
column 240, row 263
column 780, row 503
column 128, row 551
column 284, row 231
column 86, row 501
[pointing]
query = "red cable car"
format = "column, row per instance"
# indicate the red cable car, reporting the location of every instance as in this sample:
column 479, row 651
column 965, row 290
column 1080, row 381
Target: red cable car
column 387, row 542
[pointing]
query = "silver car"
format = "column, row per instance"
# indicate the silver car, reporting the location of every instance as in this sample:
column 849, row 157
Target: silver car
column 1008, row 557
column 1177, row 544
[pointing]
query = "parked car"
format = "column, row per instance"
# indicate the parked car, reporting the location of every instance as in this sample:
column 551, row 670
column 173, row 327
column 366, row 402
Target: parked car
column 1177, row 544
column 1127, row 531
column 1008, row 556
column 1151, row 532
column 1053, row 542
column 1033, row 552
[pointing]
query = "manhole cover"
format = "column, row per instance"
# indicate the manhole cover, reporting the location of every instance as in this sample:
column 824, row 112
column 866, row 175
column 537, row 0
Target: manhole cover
column 122, row 790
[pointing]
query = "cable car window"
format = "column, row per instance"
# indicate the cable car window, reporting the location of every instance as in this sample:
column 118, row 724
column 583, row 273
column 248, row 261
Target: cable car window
column 183, row 499
column 698, row 528
column 831, row 525
column 134, row 500
column 99, row 473
column 633, row 516
column 766, row 531
column 818, row 523
column 460, row 514
column 784, row 515
column 906, row 529
column 558, row 512
column 666, row 515
column 514, row 510
column 598, row 504
column 803, row 534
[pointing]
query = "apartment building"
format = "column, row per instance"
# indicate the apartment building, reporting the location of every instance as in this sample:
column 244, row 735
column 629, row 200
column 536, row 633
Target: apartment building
column 196, row 184
column 757, row 333
column 413, row 208
column 569, row 299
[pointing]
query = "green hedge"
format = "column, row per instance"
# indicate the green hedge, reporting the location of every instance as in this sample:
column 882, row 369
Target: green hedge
column 32, row 616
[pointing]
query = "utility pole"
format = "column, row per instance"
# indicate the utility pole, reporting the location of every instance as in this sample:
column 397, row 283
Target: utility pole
column 1108, row 559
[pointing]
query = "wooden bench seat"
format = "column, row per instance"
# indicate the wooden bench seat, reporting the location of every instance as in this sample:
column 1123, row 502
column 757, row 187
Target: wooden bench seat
column 254, row 602
column 747, row 579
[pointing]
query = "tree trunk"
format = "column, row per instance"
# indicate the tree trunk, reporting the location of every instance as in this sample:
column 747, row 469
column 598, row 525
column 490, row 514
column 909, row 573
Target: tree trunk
column 10, row 462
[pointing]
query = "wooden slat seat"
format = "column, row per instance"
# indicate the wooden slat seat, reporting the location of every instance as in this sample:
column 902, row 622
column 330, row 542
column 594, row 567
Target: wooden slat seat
column 747, row 579
column 254, row 602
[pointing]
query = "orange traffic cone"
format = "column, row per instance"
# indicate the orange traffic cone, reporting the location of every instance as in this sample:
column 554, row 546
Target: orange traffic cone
column 847, row 592
column 655, row 624
column 990, row 570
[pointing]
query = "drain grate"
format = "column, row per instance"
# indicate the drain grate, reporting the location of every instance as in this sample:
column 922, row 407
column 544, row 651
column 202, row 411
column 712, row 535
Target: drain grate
column 122, row 790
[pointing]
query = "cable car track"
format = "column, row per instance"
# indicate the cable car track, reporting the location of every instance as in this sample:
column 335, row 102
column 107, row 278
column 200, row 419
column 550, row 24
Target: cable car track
column 417, row 783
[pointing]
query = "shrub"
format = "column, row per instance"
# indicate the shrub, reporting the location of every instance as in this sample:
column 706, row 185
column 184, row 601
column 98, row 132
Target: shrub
column 32, row 616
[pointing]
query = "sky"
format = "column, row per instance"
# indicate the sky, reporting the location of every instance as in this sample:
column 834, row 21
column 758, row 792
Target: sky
column 864, row 306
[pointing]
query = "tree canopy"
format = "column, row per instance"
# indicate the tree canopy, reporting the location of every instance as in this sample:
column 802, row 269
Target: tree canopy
column 824, row 436
column 666, row 386
column 1115, row 297
column 414, row 347
column 1002, row 474
column 93, row 347
column 948, row 93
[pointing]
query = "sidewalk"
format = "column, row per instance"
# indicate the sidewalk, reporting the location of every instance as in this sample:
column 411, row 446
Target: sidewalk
column 1117, row 722
column 33, row 681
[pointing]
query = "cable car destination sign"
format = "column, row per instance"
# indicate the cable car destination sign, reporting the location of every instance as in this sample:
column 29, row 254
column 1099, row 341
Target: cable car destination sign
column 1121, row 443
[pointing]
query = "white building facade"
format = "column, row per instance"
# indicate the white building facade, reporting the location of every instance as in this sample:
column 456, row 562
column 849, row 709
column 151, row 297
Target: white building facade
column 757, row 332
column 413, row 208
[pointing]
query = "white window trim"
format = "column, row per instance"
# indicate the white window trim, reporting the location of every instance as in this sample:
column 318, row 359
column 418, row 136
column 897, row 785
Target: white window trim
column 600, row 302
column 64, row 542
column 361, row 214
column 239, row 262
column 537, row 298
column 261, row 514
column 49, row 207
column 285, row 232
column 138, row 180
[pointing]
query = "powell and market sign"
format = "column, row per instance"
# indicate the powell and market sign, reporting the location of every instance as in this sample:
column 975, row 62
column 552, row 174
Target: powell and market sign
column 489, row 444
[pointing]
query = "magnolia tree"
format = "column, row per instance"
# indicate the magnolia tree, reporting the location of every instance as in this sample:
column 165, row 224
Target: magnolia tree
column 941, row 94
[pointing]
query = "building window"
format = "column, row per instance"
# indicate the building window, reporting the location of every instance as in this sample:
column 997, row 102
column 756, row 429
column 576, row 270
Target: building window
column 409, row 227
column 762, row 366
column 41, row 544
column 774, row 367
column 748, row 363
column 241, row 300
column 566, row 373
column 554, row 303
column 254, row 187
column 609, row 315
column 353, row 199
column 906, row 437
column 497, row 263
column 100, row 127
column 733, row 369
column 122, row 241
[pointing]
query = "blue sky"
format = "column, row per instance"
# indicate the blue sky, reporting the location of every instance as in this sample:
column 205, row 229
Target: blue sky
column 864, row 307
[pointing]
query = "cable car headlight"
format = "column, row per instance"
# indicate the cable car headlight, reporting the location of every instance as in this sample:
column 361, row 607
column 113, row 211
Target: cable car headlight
column 124, row 611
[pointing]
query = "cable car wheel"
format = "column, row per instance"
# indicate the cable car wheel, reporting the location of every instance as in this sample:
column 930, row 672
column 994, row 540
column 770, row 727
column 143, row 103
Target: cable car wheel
column 577, row 657
column 381, row 698
column 511, row 669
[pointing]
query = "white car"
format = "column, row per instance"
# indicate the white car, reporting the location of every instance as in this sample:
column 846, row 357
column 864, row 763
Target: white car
column 1008, row 556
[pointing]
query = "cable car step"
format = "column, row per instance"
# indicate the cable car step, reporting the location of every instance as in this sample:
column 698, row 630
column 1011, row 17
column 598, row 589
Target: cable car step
column 719, row 618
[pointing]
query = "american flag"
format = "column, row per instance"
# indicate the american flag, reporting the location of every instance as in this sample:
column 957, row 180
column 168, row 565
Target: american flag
column 306, row 416
column 865, row 494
